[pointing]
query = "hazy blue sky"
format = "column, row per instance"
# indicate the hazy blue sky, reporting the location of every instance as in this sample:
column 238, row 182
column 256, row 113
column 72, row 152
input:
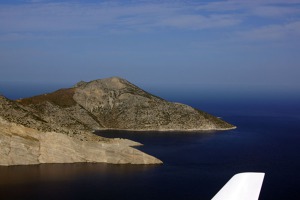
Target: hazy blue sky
column 234, row 43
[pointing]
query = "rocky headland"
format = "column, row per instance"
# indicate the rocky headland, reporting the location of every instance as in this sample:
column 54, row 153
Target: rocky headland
column 57, row 127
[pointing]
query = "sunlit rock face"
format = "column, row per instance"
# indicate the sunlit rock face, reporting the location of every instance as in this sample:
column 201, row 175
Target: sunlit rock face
column 25, row 146
column 118, row 104
column 111, row 103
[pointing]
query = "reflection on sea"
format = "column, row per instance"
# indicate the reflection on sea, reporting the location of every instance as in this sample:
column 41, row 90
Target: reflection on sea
column 67, row 172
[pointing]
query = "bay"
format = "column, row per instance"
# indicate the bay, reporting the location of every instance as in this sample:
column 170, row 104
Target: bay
column 196, row 165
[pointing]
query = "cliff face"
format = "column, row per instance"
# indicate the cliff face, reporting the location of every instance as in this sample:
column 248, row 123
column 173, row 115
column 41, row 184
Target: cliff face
column 56, row 127
column 25, row 146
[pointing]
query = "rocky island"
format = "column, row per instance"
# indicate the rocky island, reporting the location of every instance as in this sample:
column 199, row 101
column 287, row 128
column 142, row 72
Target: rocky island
column 57, row 127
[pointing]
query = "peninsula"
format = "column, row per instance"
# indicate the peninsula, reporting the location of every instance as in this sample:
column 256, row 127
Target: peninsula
column 57, row 127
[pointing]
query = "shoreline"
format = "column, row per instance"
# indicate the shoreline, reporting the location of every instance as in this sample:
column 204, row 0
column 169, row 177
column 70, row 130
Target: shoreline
column 165, row 130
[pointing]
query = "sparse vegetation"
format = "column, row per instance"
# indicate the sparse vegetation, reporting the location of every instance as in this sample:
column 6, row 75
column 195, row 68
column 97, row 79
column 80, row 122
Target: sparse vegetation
column 103, row 104
column 62, row 98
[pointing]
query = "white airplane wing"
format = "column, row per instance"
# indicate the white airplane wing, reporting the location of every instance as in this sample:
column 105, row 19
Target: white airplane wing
column 243, row 186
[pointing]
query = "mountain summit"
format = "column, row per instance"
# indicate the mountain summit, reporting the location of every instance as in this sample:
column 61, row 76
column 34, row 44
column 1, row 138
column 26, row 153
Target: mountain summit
column 115, row 103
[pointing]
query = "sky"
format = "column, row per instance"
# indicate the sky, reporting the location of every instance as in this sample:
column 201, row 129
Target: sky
column 229, row 43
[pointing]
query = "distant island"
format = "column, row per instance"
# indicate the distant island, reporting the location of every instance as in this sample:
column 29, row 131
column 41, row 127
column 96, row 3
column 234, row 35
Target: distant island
column 57, row 127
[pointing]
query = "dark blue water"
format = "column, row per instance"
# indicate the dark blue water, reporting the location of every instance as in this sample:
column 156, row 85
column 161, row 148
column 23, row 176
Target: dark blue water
column 196, row 165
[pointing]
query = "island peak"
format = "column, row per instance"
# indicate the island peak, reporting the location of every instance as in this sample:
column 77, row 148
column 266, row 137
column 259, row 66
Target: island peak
column 111, row 103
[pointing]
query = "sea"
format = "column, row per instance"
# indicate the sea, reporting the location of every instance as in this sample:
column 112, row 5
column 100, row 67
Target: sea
column 195, row 165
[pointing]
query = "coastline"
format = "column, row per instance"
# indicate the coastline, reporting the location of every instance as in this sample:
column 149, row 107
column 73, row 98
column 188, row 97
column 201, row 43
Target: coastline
column 166, row 130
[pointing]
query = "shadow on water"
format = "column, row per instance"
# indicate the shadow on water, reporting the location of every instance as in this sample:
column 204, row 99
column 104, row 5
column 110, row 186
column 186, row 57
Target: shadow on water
column 14, row 175
column 69, row 181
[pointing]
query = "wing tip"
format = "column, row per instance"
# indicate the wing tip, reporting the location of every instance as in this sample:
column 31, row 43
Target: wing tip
column 244, row 185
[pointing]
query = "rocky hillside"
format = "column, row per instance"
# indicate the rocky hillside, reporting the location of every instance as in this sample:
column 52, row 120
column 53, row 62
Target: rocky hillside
column 46, row 132
column 56, row 127
column 115, row 103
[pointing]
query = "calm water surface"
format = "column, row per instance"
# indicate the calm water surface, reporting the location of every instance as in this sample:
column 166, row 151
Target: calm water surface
column 196, row 165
